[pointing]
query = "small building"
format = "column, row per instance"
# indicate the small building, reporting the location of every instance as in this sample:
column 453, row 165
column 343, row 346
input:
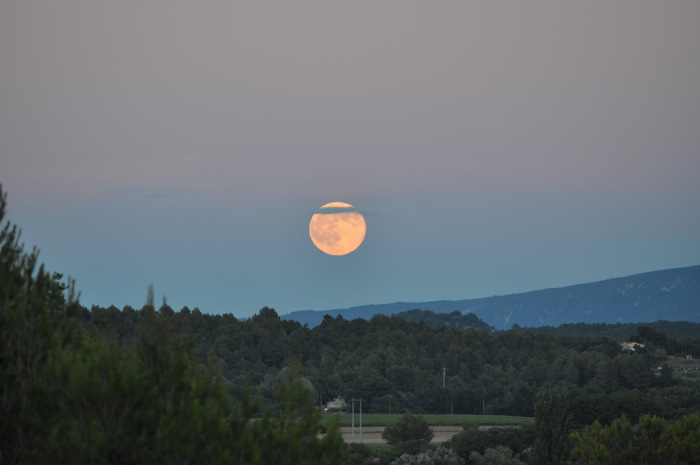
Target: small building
column 631, row 346
column 337, row 403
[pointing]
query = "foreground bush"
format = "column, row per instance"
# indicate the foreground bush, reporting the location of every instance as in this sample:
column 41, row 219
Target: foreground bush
column 410, row 434
column 652, row 440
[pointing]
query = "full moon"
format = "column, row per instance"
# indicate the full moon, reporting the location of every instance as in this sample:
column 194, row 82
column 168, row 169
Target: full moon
column 338, row 231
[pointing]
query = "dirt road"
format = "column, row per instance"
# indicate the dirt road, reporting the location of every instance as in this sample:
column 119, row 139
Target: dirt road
column 373, row 434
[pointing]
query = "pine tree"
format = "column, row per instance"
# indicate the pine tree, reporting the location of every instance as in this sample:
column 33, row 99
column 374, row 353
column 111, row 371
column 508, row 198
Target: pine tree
column 35, row 321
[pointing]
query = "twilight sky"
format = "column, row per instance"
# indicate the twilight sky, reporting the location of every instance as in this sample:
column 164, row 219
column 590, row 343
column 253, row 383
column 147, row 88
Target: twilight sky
column 494, row 146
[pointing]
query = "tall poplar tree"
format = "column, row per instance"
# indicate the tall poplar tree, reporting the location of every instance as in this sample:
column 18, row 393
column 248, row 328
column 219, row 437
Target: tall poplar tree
column 552, row 428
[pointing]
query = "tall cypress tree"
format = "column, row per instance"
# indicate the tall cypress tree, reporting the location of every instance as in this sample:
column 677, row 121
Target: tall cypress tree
column 552, row 428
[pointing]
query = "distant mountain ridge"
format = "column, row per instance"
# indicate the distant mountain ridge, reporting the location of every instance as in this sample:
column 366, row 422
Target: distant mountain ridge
column 672, row 295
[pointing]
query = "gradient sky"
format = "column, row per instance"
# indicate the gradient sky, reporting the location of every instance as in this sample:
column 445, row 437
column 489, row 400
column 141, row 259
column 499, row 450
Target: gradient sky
column 494, row 146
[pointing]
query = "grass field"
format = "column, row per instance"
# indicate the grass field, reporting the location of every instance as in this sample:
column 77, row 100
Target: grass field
column 383, row 419
column 684, row 368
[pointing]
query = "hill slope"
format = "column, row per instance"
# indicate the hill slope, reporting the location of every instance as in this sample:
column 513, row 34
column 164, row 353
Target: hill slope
column 672, row 295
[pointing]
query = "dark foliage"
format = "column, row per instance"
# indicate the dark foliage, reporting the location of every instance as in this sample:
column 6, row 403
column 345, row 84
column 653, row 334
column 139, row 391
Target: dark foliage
column 653, row 440
column 552, row 427
column 392, row 363
column 410, row 434
column 473, row 439
column 453, row 319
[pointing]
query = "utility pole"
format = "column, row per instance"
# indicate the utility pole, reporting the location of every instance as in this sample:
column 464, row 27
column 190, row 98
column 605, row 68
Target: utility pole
column 352, row 401
column 353, row 420
column 443, row 377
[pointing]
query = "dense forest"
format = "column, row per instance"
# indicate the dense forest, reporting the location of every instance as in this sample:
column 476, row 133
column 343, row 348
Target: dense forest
column 392, row 361
column 155, row 385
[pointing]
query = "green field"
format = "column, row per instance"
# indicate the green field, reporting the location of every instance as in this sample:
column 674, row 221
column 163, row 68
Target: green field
column 681, row 363
column 383, row 419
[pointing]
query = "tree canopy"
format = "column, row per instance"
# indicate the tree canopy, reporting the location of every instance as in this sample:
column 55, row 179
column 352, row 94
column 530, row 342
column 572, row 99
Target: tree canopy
column 410, row 434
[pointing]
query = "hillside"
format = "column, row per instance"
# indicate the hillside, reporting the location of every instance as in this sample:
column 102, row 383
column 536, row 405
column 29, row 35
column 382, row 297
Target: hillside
column 672, row 295
column 453, row 319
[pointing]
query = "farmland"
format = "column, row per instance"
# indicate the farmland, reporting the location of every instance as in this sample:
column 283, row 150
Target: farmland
column 687, row 368
column 443, row 426
column 383, row 419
